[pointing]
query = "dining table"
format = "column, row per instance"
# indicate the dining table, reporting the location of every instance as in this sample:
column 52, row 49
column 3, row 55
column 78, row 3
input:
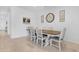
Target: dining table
column 51, row 31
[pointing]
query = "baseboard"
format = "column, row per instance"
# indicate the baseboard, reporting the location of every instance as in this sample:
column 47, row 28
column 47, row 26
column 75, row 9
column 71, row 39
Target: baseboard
column 22, row 37
column 18, row 36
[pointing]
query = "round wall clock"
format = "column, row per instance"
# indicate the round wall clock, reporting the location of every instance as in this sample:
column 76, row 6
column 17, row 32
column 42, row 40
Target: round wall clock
column 50, row 17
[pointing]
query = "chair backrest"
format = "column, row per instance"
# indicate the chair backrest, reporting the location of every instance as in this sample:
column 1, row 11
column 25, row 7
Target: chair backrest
column 62, row 34
column 39, row 33
column 32, row 31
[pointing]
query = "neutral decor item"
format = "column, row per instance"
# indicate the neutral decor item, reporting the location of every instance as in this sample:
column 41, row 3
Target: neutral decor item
column 62, row 15
column 50, row 17
column 26, row 20
column 42, row 19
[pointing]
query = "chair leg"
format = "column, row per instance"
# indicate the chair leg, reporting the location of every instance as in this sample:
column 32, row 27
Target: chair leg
column 41, row 43
column 62, row 44
column 46, row 43
column 37, row 41
column 59, row 46
column 34, row 40
column 50, row 42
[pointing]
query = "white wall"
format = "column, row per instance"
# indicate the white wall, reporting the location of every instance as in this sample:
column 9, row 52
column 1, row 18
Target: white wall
column 72, row 17
column 18, row 29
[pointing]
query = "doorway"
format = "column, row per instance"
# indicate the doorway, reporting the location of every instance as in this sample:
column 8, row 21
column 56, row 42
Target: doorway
column 3, row 24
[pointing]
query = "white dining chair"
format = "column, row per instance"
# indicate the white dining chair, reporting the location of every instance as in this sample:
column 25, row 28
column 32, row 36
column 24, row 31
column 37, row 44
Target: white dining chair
column 33, row 34
column 57, row 38
column 41, row 37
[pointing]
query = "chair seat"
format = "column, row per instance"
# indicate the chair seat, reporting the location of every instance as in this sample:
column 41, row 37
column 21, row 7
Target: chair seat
column 44, row 35
column 55, row 37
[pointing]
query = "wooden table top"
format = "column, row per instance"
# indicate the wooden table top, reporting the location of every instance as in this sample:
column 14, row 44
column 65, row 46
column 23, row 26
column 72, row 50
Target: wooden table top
column 52, row 32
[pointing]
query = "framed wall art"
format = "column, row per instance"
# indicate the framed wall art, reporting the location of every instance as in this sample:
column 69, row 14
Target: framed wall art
column 26, row 20
column 50, row 17
column 61, row 15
